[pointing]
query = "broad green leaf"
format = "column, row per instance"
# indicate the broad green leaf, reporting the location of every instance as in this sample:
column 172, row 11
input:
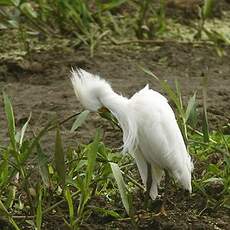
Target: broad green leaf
column 226, row 205
column 214, row 169
column 26, row 153
column 59, row 157
column 5, row 3
column 39, row 210
column 10, row 120
column 91, row 158
column 43, row 166
column 191, row 107
column 80, row 120
column 15, row 2
column 28, row 10
column 111, row 4
column 71, row 182
column 121, row 186
column 9, row 2
column 106, row 212
column 13, row 24
column 4, row 26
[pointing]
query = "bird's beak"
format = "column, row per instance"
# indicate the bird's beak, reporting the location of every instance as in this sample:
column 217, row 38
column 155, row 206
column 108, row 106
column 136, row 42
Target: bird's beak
column 103, row 110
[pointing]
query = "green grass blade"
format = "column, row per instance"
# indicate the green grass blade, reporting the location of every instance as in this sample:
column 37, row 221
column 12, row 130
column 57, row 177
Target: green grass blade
column 39, row 210
column 173, row 96
column 226, row 143
column 80, row 120
column 179, row 98
column 10, row 120
column 28, row 151
column 9, row 2
column 10, row 196
column 109, row 5
column 205, row 127
column 121, row 186
column 24, row 130
column 92, row 150
column 167, row 89
column 3, row 210
column 207, row 9
column 5, row 213
column 4, row 168
column 59, row 157
column 70, row 205
column 43, row 166
column 149, row 73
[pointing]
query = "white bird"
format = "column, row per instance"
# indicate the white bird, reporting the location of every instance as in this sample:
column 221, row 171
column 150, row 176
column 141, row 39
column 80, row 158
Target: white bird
column 150, row 130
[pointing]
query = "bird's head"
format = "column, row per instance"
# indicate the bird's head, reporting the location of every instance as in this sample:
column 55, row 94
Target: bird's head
column 89, row 89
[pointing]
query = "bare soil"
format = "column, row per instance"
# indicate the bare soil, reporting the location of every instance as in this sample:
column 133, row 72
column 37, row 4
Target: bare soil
column 41, row 84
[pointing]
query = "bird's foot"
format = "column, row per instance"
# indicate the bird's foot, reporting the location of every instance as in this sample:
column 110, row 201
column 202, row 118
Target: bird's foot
column 162, row 212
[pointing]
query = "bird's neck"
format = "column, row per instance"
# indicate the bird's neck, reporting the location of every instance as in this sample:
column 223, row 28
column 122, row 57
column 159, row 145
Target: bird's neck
column 120, row 108
column 114, row 102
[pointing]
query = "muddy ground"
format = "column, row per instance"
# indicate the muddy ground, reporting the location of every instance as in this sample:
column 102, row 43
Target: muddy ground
column 41, row 84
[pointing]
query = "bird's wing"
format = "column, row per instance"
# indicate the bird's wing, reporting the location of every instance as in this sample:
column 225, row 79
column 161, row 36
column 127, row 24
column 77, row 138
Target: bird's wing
column 159, row 136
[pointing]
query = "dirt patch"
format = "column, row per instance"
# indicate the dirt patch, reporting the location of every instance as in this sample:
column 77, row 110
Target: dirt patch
column 42, row 86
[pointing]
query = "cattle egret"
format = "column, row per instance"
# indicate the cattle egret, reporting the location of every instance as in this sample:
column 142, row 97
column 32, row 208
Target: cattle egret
column 150, row 130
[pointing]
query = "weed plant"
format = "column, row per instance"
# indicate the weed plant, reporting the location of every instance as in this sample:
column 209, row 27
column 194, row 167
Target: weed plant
column 91, row 23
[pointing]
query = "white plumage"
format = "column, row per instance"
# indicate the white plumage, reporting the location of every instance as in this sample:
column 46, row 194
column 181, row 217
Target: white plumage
column 150, row 130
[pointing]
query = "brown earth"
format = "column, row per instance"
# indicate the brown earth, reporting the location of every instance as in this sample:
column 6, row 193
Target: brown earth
column 42, row 85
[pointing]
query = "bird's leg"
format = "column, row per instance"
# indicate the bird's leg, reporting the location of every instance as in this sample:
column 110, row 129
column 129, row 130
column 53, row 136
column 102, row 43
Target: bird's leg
column 148, row 185
column 166, row 192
